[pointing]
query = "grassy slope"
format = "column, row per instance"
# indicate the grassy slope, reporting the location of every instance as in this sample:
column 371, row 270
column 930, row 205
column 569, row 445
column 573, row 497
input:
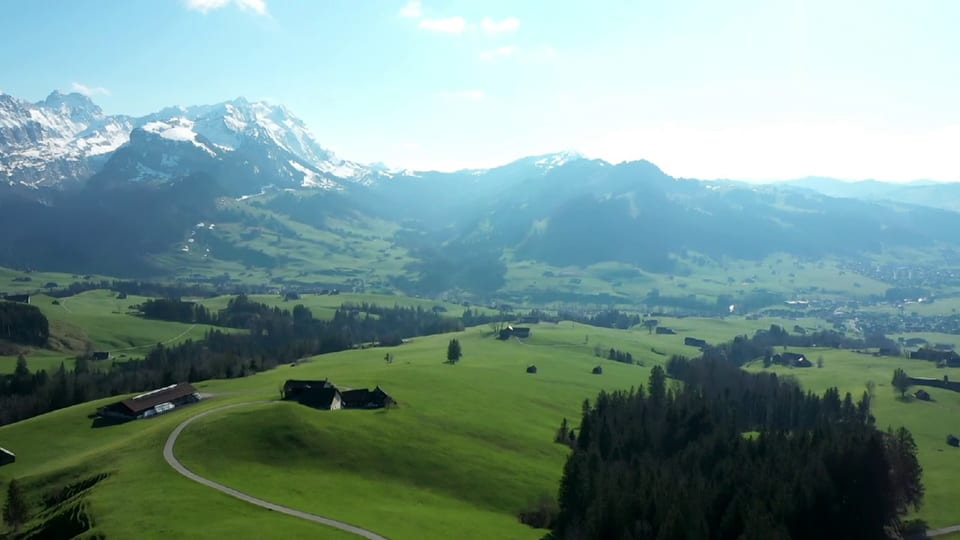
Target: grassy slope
column 98, row 317
column 470, row 446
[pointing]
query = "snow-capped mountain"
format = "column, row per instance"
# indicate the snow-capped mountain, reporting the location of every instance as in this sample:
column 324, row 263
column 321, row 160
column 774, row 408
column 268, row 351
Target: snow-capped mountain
column 66, row 139
column 61, row 139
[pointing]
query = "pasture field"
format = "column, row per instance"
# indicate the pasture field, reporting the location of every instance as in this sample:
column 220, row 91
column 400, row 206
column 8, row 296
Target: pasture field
column 698, row 277
column 469, row 447
column 99, row 321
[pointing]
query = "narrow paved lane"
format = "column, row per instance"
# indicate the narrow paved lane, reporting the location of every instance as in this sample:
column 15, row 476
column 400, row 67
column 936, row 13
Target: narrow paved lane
column 943, row 532
column 172, row 460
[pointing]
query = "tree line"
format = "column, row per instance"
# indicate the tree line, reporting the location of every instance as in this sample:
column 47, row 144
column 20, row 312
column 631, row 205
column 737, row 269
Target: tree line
column 23, row 324
column 733, row 455
column 273, row 337
column 743, row 349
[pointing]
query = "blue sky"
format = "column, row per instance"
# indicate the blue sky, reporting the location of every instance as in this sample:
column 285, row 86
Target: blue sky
column 746, row 89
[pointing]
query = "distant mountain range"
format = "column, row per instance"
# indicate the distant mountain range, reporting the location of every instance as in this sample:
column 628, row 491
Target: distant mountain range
column 118, row 195
column 66, row 139
column 922, row 193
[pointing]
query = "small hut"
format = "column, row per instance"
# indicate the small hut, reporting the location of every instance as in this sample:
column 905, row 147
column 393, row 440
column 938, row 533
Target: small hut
column 922, row 394
column 952, row 440
column 7, row 457
column 531, row 368
column 598, row 370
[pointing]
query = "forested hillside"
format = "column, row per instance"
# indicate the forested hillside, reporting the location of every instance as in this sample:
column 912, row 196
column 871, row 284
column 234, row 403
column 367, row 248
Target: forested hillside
column 731, row 455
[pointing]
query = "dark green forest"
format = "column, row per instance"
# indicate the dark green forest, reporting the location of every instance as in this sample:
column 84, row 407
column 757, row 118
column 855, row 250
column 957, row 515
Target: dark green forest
column 24, row 324
column 732, row 455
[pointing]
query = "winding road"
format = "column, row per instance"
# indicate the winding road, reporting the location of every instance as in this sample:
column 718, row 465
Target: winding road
column 943, row 532
column 172, row 460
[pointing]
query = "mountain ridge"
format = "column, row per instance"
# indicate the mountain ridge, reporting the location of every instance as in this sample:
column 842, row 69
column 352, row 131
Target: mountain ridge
column 256, row 171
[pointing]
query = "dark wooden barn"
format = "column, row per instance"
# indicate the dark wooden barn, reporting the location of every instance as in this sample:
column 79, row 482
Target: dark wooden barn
column 6, row 457
column 101, row 355
column 531, row 369
column 362, row 398
column 325, row 395
column 922, row 395
column 694, row 342
column 952, row 440
column 663, row 330
column 21, row 298
column 327, row 398
column 514, row 331
column 598, row 370
column 794, row 359
column 152, row 403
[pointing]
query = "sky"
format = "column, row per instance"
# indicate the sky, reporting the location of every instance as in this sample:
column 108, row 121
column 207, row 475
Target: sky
column 753, row 90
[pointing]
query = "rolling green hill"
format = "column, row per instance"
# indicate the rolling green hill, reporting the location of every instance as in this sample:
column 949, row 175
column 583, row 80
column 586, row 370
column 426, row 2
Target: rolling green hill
column 469, row 447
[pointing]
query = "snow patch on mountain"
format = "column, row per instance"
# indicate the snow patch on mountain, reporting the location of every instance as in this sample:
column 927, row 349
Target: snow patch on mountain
column 177, row 129
column 311, row 179
column 559, row 159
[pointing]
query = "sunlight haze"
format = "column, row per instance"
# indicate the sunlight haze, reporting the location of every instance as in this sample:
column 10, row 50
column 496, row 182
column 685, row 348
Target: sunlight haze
column 747, row 89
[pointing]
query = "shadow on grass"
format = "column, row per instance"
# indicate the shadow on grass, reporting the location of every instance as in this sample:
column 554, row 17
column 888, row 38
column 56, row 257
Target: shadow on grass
column 102, row 422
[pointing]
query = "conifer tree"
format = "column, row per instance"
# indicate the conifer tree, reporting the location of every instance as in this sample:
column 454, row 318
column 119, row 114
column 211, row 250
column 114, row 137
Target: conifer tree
column 15, row 511
column 453, row 351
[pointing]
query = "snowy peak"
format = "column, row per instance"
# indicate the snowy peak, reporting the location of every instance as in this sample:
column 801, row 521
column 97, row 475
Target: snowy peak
column 178, row 129
column 559, row 159
column 78, row 108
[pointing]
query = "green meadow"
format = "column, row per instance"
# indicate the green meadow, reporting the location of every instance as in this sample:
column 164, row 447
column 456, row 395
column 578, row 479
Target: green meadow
column 469, row 446
column 98, row 321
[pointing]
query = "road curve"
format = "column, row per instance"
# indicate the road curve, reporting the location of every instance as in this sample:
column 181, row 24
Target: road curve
column 172, row 460
column 943, row 532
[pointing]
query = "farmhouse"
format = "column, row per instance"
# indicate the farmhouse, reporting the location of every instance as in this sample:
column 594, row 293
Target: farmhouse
column 694, row 342
column 950, row 358
column 21, row 298
column 152, row 403
column 922, row 395
column 794, row 359
column 325, row 395
column 6, row 457
column 515, row 331
column 366, row 399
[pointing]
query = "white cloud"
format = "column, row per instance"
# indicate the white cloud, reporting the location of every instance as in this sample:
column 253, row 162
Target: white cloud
column 510, row 24
column 449, row 25
column 257, row 6
column 89, row 91
column 462, row 95
column 499, row 52
column 412, row 9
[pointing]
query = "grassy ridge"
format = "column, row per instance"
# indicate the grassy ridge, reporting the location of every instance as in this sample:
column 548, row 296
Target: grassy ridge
column 100, row 321
column 469, row 447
